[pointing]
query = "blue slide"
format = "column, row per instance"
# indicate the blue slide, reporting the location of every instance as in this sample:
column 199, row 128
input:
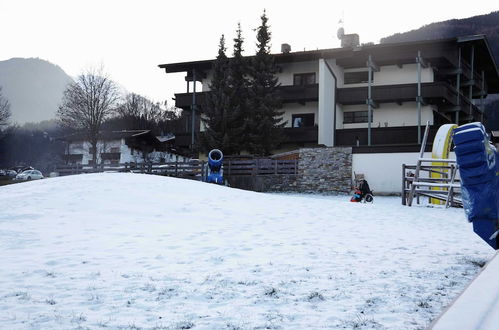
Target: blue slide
column 478, row 163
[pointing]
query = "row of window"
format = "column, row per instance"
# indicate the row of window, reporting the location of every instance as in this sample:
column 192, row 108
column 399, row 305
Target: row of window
column 307, row 119
column 303, row 79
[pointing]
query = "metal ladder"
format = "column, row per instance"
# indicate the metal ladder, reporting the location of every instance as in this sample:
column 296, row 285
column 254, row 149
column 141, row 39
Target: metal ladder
column 426, row 186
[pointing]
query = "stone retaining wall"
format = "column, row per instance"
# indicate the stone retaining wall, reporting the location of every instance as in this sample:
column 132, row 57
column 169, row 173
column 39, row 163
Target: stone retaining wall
column 320, row 170
column 325, row 170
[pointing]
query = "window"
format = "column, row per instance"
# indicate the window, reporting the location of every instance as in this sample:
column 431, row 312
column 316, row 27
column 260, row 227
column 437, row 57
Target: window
column 303, row 120
column 91, row 150
column 357, row 77
column 355, row 117
column 302, row 79
column 115, row 149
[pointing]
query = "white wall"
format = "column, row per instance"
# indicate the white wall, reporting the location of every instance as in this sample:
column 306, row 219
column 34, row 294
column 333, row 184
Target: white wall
column 135, row 156
column 290, row 69
column 327, row 101
column 387, row 75
column 392, row 114
column 339, row 116
column 393, row 75
column 383, row 171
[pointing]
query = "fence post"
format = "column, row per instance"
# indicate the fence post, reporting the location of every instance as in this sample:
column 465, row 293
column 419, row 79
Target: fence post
column 275, row 166
column 229, row 166
column 255, row 167
column 176, row 168
column 403, row 185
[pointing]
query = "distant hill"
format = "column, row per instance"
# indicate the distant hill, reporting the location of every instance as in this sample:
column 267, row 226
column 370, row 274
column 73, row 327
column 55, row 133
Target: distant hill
column 34, row 88
column 487, row 24
column 483, row 24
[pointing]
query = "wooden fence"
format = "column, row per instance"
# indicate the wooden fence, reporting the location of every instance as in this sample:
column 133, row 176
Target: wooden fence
column 193, row 169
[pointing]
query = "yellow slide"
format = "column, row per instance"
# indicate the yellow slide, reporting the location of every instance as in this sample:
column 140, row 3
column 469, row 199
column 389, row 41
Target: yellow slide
column 441, row 150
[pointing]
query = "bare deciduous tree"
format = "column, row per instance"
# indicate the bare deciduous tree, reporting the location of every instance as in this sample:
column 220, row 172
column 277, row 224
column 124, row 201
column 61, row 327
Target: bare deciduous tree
column 86, row 103
column 4, row 110
column 138, row 107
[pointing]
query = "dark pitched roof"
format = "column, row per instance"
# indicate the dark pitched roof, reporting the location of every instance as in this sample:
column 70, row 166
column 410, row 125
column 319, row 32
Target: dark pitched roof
column 394, row 53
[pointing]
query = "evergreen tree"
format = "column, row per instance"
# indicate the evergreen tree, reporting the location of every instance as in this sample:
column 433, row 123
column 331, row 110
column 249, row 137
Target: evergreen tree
column 238, row 95
column 264, row 123
column 216, row 114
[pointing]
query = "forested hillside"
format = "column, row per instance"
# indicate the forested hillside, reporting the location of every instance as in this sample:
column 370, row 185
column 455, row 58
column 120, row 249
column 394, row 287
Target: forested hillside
column 483, row 24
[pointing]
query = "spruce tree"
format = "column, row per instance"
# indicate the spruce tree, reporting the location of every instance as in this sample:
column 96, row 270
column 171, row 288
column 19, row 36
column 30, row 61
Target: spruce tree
column 265, row 120
column 238, row 96
column 217, row 105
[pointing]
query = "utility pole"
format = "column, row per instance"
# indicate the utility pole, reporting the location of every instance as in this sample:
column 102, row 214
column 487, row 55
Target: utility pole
column 370, row 103
column 419, row 99
column 193, row 120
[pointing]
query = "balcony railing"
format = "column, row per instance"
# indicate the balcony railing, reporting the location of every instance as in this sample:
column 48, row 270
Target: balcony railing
column 301, row 135
column 287, row 94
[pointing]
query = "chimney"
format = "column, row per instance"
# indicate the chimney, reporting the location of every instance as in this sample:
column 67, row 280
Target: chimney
column 285, row 48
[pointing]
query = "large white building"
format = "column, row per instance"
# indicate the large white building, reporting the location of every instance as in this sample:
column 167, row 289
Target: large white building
column 326, row 92
column 329, row 95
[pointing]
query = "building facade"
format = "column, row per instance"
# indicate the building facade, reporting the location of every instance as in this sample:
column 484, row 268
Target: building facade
column 373, row 96
column 119, row 147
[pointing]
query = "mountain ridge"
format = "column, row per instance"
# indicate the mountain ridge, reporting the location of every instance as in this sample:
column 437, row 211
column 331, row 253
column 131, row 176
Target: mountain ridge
column 34, row 88
column 487, row 24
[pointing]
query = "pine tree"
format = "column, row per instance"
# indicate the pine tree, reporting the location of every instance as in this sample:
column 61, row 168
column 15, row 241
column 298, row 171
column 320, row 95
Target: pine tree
column 265, row 120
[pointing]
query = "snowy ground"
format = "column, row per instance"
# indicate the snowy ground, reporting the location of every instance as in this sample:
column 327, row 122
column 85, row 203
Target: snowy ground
column 136, row 251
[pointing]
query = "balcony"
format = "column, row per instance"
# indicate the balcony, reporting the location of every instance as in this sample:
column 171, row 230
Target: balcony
column 288, row 94
column 383, row 136
column 298, row 135
column 433, row 93
column 301, row 135
column 441, row 94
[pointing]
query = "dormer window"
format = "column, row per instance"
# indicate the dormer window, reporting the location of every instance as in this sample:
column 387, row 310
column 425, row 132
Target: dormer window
column 303, row 79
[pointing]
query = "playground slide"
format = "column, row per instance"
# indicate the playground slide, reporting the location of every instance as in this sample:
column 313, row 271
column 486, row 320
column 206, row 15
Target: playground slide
column 478, row 163
column 441, row 150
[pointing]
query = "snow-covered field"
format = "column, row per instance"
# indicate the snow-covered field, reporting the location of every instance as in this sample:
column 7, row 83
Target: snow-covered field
column 136, row 251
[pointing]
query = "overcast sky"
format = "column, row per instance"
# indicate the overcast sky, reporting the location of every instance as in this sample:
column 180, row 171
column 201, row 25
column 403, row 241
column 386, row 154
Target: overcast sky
column 130, row 38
